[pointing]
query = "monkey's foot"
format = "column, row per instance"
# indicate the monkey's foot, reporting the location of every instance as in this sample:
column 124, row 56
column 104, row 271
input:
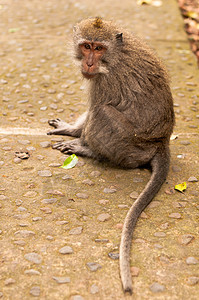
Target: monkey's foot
column 73, row 147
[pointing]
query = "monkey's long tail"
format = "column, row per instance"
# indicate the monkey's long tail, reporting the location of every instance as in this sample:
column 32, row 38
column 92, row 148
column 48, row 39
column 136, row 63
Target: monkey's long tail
column 160, row 167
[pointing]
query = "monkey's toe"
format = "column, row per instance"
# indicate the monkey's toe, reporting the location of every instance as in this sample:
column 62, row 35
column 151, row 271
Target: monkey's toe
column 58, row 145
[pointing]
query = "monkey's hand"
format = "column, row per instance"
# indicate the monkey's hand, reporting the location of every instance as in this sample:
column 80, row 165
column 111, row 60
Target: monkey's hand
column 59, row 125
column 63, row 128
column 73, row 147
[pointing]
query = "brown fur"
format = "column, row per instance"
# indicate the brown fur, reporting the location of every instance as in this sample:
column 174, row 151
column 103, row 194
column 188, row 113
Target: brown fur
column 130, row 116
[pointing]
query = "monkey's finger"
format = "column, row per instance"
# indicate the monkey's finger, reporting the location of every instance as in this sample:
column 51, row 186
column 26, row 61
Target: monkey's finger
column 55, row 132
column 69, row 151
column 66, row 149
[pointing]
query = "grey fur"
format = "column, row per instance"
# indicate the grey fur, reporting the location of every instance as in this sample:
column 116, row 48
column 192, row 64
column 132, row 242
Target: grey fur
column 129, row 120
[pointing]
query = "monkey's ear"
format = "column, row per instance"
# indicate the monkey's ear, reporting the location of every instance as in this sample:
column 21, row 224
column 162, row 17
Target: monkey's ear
column 119, row 37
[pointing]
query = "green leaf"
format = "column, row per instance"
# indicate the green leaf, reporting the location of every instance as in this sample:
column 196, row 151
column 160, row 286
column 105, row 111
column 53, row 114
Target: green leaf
column 181, row 187
column 70, row 162
column 12, row 30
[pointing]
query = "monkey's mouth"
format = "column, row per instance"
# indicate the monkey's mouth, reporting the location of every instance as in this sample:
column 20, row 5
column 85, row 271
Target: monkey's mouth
column 88, row 75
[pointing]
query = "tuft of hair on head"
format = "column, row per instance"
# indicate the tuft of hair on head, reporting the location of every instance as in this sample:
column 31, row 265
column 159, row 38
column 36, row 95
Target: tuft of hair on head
column 98, row 22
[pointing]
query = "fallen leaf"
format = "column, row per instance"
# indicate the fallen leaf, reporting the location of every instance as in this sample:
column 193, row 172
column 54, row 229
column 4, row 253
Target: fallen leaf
column 191, row 14
column 181, row 187
column 12, row 30
column 70, row 162
column 173, row 137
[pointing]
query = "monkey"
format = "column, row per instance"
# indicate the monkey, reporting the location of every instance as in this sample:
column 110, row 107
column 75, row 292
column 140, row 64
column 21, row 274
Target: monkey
column 130, row 115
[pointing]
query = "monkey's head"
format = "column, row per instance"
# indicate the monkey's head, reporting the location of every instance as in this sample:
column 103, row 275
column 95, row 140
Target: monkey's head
column 94, row 40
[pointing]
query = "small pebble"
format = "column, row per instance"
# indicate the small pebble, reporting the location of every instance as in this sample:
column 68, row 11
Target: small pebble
column 113, row 255
column 179, row 204
column 95, row 173
column 109, row 191
column 176, row 169
column 55, row 165
column 49, row 238
column 119, row 226
column 137, row 179
column 49, row 201
column 52, row 91
column 35, row 219
column 32, row 272
column 20, row 243
column 103, row 217
column 193, row 280
column 160, row 234
column 192, row 179
column 88, row 182
column 33, row 258
column 156, row 287
column 122, row 206
column 82, row 195
column 63, row 222
column 46, row 210
column 45, row 144
column 135, row 271
column 158, row 246
column 134, row 195
column 164, row 226
column 93, row 266
column 186, row 239
column 24, row 142
column 94, row 289
column 24, row 233
column 77, row 230
column 67, row 177
column 77, row 297
column 30, row 194
column 175, row 216
column 191, row 261
column 185, row 143
column 66, row 250
column 35, row 291
column 45, row 173
column 9, row 281
column 103, row 201
column 61, row 279
column 53, row 106
column 101, row 240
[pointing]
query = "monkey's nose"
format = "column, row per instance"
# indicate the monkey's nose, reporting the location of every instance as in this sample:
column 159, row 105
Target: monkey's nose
column 89, row 64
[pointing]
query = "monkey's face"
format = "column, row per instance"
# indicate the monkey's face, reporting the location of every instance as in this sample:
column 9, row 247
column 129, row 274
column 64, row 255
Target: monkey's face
column 92, row 53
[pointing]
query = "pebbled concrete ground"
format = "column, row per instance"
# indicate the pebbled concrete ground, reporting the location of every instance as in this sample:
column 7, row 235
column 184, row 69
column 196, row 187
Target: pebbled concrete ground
column 60, row 230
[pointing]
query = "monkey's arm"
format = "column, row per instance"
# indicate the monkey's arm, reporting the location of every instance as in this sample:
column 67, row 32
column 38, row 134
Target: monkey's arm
column 63, row 128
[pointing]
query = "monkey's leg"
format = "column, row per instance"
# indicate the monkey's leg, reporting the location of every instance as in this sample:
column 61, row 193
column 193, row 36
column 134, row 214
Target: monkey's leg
column 74, row 147
column 63, row 128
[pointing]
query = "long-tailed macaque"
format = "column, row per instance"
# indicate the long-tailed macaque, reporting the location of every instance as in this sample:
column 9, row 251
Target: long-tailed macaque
column 130, row 116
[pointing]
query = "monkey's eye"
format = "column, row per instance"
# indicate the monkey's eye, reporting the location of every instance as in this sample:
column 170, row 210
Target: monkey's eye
column 99, row 48
column 87, row 46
